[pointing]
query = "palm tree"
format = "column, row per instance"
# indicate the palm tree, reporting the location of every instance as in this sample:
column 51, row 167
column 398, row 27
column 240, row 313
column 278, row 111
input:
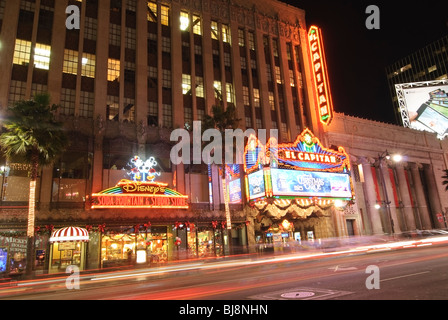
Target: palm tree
column 32, row 137
column 221, row 120
column 445, row 180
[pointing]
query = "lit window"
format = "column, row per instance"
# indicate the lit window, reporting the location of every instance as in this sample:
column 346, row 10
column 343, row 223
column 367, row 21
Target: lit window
column 218, row 89
column 113, row 69
column 246, row 99
column 22, row 52
column 214, row 30
column 42, row 56
column 186, row 84
column 199, row 87
column 271, row 100
column 278, row 76
column 152, row 12
column 292, row 80
column 197, row 25
column 70, row 64
column 241, row 41
column 256, row 98
column 184, row 21
column 251, row 39
column 229, row 92
column 225, row 33
column 165, row 15
column 88, row 65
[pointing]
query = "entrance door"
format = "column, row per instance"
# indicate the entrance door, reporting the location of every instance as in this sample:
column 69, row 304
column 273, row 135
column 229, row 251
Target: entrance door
column 350, row 227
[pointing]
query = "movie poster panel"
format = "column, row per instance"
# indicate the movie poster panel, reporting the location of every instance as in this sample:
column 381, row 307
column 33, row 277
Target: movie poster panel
column 256, row 185
column 310, row 184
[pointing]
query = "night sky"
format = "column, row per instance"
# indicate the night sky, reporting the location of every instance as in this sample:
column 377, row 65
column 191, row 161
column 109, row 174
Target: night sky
column 357, row 57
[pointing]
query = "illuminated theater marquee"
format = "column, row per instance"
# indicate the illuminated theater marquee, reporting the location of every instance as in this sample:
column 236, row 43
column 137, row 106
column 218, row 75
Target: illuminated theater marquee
column 322, row 85
column 141, row 192
column 306, row 156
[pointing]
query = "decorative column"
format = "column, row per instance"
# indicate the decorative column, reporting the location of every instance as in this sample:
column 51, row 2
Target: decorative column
column 420, row 195
column 388, row 191
column 433, row 195
column 370, row 194
column 405, row 197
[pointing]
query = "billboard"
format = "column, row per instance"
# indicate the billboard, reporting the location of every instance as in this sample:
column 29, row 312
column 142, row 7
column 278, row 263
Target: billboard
column 424, row 106
column 256, row 185
column 310, row 184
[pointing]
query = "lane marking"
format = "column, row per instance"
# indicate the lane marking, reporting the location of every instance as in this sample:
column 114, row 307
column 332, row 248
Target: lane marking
column 406, row 275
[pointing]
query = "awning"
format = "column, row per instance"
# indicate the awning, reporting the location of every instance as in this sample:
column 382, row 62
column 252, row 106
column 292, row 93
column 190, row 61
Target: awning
column 70, row 234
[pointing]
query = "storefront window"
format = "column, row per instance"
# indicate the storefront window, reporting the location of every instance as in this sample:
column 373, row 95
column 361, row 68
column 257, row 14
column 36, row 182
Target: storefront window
column 192, row 244
column 120, row 249
column 205, row 244
column 65, row 254
column 117, row 249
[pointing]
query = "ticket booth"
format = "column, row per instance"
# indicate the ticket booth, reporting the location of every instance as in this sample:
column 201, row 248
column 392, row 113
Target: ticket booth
column 68, row 248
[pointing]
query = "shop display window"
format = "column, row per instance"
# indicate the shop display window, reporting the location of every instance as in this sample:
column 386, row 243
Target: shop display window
column 117, row 248
column 3, row 259
column 65, row 254
column 192, row 245
column 122, row 249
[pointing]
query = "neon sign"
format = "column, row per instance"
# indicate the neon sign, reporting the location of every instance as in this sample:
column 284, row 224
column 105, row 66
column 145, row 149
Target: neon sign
column 322, row 85
column 307, row 153
column 300, row 169
column 141, row 191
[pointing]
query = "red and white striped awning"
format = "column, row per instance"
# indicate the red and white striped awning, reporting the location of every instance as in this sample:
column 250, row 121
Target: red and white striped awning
column 70, row 234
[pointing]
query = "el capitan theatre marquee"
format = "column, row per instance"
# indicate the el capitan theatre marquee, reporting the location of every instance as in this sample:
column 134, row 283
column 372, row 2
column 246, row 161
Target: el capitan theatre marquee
column 141, row 192
column 303, row 170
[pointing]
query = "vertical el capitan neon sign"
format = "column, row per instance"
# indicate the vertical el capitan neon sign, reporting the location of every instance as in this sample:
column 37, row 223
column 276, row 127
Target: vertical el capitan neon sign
column 320, row 72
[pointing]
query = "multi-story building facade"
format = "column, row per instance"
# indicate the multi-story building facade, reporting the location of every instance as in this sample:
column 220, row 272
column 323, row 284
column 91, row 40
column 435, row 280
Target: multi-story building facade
column 137, row 69
column 426, row 64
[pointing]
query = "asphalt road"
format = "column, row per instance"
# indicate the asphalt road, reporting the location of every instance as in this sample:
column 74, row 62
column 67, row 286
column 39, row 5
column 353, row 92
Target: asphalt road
column 418, row 273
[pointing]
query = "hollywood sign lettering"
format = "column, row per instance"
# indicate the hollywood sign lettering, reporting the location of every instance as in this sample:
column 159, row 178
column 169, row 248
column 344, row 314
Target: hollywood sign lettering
column 136, row 201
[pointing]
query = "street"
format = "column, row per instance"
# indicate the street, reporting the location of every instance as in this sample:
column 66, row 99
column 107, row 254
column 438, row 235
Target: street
column 405, row 272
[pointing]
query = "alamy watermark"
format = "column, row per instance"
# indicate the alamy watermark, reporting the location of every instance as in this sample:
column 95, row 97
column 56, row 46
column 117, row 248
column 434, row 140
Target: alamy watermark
column 373, row 281
column 73, row 21
column 373, row 20
column 72, row 281
column 232, row 144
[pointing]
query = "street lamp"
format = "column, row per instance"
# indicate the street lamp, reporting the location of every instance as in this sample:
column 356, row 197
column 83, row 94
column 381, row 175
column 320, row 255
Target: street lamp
column 381, row 157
